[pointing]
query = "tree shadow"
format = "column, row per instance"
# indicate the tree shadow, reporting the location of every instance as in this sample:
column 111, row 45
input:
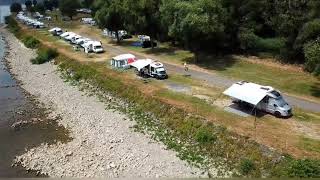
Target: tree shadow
column 212, row 62
column 315, row 90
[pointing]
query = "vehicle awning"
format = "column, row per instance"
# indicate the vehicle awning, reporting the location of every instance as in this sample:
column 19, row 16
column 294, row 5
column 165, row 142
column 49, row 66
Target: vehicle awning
column 141, row 63
column 247, row 92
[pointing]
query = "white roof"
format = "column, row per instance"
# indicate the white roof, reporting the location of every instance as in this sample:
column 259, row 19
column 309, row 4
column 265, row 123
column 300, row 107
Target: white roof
column 66, row 34
column 157, row 64
column 124, row 57
column 96, row 43
column 141, row 63
column 55, row 29
column 248, row 92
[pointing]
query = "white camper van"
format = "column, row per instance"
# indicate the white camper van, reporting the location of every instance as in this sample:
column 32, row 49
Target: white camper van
column 264, row 98
column 93, row 46
column 56, row 31
column 151, row 68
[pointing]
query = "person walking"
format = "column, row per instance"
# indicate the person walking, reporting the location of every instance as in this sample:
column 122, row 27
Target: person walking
column 185, row 66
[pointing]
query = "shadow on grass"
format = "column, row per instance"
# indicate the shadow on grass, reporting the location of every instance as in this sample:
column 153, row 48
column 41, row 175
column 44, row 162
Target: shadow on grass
column 315, row 90
column 211, row 62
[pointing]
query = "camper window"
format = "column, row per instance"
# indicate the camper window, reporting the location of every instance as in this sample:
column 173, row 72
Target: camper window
column 277, row 94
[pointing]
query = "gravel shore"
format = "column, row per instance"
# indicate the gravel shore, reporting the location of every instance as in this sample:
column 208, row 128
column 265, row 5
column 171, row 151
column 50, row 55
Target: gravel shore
column 103, row 144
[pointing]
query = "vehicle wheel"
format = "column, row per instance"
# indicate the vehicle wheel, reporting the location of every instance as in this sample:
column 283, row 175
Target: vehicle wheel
column 277, row 114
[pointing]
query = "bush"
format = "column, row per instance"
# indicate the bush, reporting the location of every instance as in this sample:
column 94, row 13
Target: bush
column 45, row 55
column 12, row 24
column 304, row 168
column 248, row 40
column 204, row 135
column 246, row 166
column 312, row 56
column 31, row 42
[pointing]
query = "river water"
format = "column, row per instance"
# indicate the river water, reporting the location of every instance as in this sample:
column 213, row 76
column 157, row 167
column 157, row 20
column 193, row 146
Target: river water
column 4, row 11
column 17, row 106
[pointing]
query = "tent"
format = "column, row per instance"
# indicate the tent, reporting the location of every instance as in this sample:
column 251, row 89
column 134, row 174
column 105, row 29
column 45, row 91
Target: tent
column 122, row 61
column 248, row 92
column 141, row 63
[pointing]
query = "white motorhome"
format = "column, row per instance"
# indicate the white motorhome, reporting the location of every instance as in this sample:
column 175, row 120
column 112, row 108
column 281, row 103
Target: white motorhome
column 93, row 46
column 151, row 68
column 65, row 34
column 82, row 41
column 70, row 36
column 123, row 61
column 264, row 98
column 56, row 31
column 75, row 38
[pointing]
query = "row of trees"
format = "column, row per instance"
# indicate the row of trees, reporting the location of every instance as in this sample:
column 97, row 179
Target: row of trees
column 288, row 29
column 285, row 28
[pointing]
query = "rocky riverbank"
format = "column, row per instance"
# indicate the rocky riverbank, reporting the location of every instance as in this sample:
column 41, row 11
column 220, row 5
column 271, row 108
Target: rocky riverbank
column 103, row 144
column 23, row 121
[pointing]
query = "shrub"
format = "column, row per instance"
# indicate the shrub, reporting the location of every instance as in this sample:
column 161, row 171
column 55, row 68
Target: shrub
column 312, row 55
column 45, row 55
column 31, row 42
column 12, row 24
column 246, row 166
column 248, row 40
column 204, row 135
column 303, row 168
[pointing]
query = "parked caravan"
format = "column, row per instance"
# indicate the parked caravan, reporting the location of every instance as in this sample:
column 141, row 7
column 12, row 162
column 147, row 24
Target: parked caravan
column 93, row 46
column 123, row 61
column 264, row 98
column 56, row 31
column 150, row 68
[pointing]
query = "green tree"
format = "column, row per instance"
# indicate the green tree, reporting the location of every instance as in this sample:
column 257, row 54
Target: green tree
column 110, row 15
column 55, row 3
column 197, row 23
column 28, row 4
column 15, row 7
column 40, row 8
column 48, row 5
column 87, row 3
column 69, row 7
column 312, row 55
column 34, row 2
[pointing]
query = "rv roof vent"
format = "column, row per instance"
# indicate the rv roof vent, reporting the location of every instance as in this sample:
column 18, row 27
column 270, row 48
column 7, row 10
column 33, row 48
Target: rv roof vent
column 265, row 88
column 241, row 82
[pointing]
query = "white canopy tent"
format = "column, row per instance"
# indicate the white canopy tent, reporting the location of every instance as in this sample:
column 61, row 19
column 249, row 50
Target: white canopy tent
column 247, row 92
column 141, row 63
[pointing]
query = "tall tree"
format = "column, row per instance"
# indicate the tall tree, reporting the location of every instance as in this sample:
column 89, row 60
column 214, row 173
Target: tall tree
column 111, row 15
column 48, row 5
column 69, row 7
column 40, row 8
column 34, row 2
column 15, row 7
column 28, row 4
column 87, row 3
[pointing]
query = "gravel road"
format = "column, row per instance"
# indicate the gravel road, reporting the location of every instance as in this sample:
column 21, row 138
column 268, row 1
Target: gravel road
column 212, row 79
column 103, row 144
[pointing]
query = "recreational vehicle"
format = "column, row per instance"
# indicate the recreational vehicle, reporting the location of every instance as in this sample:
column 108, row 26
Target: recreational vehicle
column 264, row 98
